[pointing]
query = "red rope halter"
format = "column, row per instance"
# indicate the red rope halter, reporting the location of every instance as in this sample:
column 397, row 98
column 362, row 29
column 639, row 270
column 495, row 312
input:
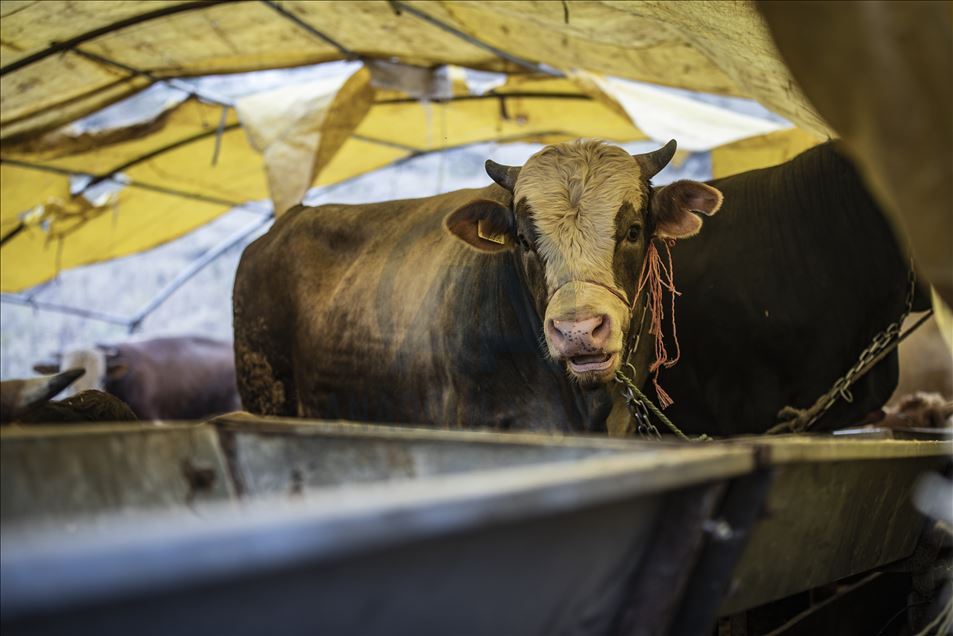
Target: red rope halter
column 655, row 277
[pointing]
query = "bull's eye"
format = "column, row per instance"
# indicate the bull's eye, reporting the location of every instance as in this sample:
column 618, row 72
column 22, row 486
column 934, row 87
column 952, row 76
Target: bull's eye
column 634, row 233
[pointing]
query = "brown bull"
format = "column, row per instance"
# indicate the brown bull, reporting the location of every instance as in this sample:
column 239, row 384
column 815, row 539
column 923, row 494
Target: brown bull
column 507, row 306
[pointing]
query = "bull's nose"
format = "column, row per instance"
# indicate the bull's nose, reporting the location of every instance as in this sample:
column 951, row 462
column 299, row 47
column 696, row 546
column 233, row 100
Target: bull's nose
column 579, row 336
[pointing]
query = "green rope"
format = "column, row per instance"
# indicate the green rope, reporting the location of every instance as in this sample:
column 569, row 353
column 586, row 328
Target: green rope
column 641, row 397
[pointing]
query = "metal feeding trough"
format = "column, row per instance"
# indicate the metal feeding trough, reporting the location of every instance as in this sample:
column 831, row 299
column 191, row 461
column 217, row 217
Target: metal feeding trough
column 247, row 526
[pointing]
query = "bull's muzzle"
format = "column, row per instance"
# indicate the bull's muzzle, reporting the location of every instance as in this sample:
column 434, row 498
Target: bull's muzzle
column 583, row 328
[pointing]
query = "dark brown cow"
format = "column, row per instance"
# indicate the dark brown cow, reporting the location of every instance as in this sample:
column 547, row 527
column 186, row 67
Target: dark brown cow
column 781, row 293
column 507, row 306
column 165, row 378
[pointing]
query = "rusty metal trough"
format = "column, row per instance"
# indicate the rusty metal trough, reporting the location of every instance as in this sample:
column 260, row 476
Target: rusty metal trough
column 248, row 525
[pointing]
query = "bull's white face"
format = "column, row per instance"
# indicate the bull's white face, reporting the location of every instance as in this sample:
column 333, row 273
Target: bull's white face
column 583, row 207
column 582, row 217
column 93, row 361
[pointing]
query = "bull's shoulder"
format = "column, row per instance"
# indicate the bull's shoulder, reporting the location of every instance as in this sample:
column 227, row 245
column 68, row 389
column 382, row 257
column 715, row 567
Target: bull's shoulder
column 344, row 229
column 338, row 229
column 311, row 243
column 326, row 223
column 303, row 234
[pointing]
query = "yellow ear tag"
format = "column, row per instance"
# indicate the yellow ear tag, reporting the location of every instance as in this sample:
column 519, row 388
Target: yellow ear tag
column 499, row 239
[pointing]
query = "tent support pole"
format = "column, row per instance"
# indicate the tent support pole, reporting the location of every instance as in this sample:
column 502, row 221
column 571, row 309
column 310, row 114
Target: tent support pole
column 349, row 54
column 132, row 323
column 130, row 183
column 56, row 47
column 487, row 95
column 16, row 299
column 172, row 82
column 534, row 67
column 194, row 268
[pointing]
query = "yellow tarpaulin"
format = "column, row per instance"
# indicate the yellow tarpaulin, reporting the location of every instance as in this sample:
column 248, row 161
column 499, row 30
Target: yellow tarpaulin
column 717, row 47
column 62, row 60
column 280, row 147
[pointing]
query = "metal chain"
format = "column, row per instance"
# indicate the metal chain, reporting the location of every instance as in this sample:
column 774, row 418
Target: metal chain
column 639, row 407
column 802, row 419
column 638, row 404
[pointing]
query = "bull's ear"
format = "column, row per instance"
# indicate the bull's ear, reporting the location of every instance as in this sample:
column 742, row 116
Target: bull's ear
column 674, row 204
column 484, row 225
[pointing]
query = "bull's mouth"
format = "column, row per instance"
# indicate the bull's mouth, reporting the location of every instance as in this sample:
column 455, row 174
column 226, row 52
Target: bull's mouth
column 593, row 363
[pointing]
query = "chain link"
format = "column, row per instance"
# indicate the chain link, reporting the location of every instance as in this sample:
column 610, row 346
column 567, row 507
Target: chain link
column 802, row 419
column 640, row 408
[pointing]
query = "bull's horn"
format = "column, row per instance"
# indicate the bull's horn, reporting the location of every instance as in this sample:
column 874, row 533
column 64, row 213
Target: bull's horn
column 38, row 390
column 652, row 163
column 503, row 175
